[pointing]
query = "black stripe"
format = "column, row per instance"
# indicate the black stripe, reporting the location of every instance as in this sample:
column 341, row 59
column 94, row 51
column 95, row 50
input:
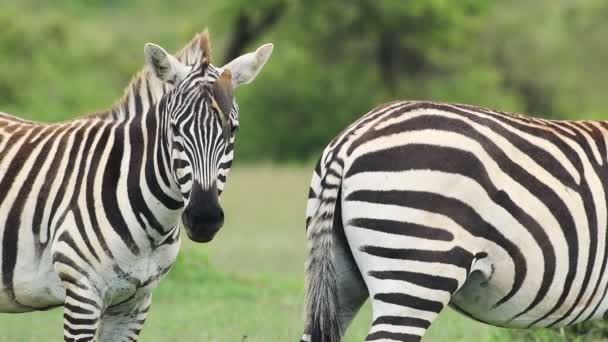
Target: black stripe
column 73, row 295
column 404, row 321
column 225, row 165
column 402, row 228
column 386, row 335
column 109, row 185
column 311, row 193
column 77, row 309
column 425, row 280
column 455, row 256
column 78, row 220
column 79, row 332
column 80, row 321
column 404, row 299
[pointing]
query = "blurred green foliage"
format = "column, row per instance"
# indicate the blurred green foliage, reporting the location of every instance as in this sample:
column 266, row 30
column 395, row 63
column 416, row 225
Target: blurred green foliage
column 334, row 60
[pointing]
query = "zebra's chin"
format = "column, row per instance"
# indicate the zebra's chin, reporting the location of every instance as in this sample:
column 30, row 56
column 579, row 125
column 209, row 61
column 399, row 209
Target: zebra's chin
column 201, row 235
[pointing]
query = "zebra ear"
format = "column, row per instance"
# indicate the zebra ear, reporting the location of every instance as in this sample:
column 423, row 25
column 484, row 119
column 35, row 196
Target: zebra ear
column 166, row 67
column 246, row 67
column 223, row 92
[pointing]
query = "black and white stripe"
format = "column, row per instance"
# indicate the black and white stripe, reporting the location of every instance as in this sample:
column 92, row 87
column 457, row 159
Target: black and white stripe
column 419, row 205
column 89, row 209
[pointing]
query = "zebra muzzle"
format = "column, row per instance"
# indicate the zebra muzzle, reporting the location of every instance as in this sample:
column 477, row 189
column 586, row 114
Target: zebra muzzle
column 202, row 227
column 203, row 217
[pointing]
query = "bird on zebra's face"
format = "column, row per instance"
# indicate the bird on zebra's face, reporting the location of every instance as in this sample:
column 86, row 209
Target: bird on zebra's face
column 202, row 120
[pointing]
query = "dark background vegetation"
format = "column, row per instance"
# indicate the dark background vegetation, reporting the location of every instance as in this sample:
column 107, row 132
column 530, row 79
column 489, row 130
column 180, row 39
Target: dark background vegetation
column 333, row 61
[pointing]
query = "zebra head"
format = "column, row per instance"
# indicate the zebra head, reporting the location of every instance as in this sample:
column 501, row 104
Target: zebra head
column 202, row 120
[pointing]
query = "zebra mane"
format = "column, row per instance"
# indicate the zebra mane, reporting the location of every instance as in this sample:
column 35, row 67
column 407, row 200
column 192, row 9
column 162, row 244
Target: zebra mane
column 147, row 89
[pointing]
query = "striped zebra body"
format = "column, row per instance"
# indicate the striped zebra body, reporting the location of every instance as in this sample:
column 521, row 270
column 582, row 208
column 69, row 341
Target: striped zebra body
column 89, row 209
column 419, row 205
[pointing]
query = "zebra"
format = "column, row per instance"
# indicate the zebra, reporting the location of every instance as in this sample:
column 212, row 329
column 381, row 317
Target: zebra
column 91, row 208
column 418, row 205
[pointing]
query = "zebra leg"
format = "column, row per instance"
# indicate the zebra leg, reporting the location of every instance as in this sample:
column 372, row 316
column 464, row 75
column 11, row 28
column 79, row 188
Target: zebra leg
column 81, row 312
column 83, row 303
column 405, row 303
column 410, row 280
column 124, row 322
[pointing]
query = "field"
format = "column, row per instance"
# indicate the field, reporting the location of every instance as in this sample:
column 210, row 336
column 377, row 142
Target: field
column 247, row 284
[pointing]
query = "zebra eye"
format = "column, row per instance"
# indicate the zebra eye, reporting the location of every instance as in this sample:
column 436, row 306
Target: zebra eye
column 234, row 129
column 174, row 130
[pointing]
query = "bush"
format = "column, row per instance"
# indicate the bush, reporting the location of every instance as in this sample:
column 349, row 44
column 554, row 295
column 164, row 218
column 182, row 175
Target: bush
column 583, row 332
column 333, row 61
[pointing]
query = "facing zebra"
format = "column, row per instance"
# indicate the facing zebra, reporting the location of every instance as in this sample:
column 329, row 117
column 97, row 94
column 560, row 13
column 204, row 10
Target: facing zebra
column 419, row 205
column 90, row 207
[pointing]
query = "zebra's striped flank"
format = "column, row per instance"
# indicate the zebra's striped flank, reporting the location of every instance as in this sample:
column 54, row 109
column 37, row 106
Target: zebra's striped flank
column 499, row 215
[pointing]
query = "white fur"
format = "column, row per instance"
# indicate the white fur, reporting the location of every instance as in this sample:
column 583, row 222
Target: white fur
column 246, row 67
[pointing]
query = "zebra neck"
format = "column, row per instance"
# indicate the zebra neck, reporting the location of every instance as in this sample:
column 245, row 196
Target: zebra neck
column 153, row 195
column 142, row 94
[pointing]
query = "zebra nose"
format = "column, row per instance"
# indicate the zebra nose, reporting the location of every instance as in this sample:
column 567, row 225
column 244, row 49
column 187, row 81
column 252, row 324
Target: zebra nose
column 203, row 216
column 207, row 217
column 202, row 223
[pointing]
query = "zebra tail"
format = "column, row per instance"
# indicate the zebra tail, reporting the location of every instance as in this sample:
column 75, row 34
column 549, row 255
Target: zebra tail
column 322, row 311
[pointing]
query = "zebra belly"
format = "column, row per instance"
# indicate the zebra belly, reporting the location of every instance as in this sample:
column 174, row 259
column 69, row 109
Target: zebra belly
column 477, row 298
column 36, row 287
column 480, row 298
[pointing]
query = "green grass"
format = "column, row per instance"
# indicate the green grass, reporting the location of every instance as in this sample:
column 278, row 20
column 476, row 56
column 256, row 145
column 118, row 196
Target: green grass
column 247, row 285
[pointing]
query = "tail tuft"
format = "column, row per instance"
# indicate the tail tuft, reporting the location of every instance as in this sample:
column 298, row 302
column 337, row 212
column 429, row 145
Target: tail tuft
column 321, row 291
